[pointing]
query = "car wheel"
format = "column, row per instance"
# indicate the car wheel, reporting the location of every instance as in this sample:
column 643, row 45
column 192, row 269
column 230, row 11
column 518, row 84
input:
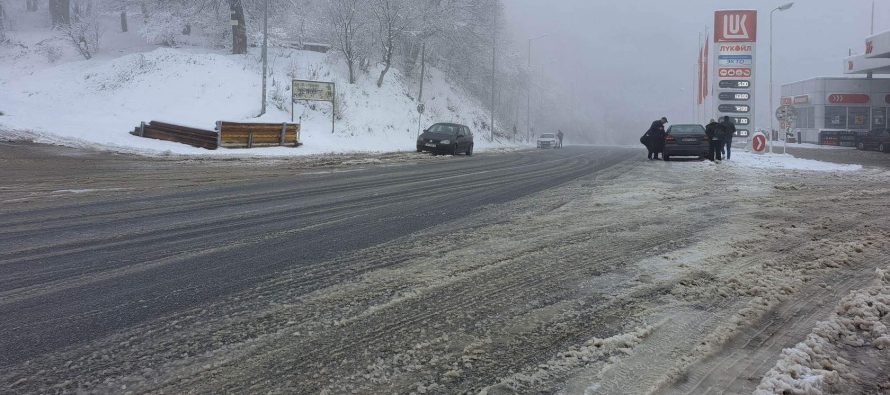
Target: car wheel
column 882, row 148
column 470, row 150
column 667, row 158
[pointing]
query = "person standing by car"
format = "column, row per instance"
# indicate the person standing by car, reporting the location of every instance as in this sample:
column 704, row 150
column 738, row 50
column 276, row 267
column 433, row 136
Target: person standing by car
column 655, row 138
column 559, row 135
column 714, row 143
column 728, row 129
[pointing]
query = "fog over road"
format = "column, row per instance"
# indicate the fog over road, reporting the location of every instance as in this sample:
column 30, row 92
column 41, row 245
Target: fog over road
column 583, row 270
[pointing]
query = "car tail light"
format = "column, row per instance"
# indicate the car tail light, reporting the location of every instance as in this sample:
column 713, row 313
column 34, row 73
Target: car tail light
column 670, row 139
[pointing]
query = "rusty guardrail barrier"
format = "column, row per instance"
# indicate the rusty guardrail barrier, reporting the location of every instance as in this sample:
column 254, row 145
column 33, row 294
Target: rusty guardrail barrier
column 226, row 135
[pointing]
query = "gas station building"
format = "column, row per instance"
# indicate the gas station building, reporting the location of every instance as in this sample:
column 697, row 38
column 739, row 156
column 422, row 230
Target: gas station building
column 833, row 110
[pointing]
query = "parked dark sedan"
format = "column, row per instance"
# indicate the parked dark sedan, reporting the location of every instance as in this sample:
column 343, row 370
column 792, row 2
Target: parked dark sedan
column 878, row 139
column 685, row 140
column 446, row 138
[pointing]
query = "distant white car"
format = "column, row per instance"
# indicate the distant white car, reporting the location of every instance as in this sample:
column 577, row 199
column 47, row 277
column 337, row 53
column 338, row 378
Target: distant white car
column 548, row 140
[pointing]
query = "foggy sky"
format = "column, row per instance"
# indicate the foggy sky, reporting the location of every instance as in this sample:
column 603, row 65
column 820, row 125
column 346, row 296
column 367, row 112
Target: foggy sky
column 635, row 59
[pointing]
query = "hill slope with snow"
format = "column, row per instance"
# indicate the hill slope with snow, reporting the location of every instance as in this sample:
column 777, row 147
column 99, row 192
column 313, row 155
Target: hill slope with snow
column 96, row 102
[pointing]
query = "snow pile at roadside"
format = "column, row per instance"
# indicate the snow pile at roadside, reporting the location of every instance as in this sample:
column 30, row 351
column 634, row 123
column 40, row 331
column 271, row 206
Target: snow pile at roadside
column 784, row 161
column 816, row 365
column 591, row 352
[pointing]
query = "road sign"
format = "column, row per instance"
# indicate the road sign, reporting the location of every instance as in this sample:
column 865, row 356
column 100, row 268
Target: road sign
column 314, row 91
column 786, row 113
column 758, row 143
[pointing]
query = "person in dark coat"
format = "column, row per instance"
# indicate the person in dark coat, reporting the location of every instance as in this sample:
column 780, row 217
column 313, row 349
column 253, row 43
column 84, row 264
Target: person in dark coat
column 714, row 143
column 656, row 135
column 560, row 136
column 646, row 140
column 728, row 129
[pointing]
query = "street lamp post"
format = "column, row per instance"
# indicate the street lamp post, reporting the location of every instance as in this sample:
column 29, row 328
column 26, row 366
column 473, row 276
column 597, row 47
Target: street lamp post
column 528, row 109
column 265, row 53
column 771, row 109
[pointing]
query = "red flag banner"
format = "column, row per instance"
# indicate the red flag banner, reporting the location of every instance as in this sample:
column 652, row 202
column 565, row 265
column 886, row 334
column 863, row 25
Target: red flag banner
column 705, row 59
column 700, row 86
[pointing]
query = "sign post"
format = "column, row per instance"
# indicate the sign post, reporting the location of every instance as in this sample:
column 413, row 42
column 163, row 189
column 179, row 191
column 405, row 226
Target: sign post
column 786, row 115
column 735, row 39
column 314, row 91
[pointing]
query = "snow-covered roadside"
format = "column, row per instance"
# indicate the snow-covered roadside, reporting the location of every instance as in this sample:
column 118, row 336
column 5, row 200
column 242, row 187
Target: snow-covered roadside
column 822, row 363
column 95, row 103
column 744, row 159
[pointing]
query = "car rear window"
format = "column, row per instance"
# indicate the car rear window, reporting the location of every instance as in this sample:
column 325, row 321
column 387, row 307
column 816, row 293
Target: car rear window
column 548, row 136
column 446, row 129
column 687, row 129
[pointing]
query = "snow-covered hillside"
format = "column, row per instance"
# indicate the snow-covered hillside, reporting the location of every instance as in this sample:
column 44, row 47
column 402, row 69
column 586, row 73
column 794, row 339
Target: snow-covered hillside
column 50, row 94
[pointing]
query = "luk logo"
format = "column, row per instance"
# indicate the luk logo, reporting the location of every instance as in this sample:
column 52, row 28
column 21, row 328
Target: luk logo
column 734, row 72
column 735, row 27
column 738, row 26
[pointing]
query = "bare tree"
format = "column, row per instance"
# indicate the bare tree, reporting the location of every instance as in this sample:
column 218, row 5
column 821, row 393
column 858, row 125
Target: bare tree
column 31, row 5
column 345, row 25
column 393, row 17
column 239, row 28
column 122, row 5
column 2, row 23
column 84, row 31
column 60, row 12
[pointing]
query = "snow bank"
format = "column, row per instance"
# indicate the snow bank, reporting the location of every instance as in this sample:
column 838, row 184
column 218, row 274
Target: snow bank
column 784, row 161
column 815, row 366
column 595, row 350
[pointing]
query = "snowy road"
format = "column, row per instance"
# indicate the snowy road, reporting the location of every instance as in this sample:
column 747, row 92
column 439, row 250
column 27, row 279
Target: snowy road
column 586, row 270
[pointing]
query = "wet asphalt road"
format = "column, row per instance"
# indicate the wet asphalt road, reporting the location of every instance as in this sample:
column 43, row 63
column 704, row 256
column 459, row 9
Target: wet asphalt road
column 80, row 268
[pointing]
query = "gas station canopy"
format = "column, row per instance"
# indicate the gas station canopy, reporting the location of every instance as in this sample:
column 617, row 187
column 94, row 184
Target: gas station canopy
column 876, row 59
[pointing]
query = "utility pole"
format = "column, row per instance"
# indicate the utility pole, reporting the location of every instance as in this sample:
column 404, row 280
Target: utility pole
column 783, row 7
column 420, row 106
column 872, row 18
column 494, row 51
column 265, row 52
column 528, row 109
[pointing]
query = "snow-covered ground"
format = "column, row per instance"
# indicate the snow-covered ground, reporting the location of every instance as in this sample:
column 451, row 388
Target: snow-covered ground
column 52, row 95
column 780, row 161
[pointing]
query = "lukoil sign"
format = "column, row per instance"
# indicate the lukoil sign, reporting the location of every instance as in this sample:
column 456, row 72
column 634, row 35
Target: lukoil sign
column 735, row 37
column 735, row 26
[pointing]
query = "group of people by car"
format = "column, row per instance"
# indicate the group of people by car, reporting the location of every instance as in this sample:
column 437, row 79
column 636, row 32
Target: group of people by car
column 719, row 135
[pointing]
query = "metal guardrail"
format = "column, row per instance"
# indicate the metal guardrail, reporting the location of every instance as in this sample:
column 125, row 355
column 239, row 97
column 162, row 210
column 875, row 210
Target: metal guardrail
column 250, row 135
column 180, row 134
column 226, row 135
